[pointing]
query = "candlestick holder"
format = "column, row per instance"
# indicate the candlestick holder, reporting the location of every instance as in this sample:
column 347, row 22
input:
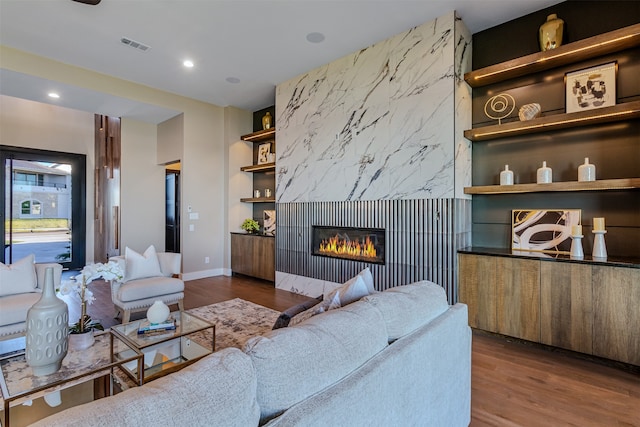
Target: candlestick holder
column 576, row 247
column 599, row 248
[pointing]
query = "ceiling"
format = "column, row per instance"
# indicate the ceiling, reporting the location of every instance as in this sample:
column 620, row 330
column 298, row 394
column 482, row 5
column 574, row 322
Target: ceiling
column 257, row 43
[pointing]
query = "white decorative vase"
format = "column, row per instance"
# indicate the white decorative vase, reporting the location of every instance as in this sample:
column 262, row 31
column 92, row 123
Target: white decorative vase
column 158, row 312
column 506, row 176
column 544, row 174
column 587, row 171
column 81, row 341
column 47, row 330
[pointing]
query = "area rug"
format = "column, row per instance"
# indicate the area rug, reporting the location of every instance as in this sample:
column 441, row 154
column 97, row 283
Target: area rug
column 236, row 321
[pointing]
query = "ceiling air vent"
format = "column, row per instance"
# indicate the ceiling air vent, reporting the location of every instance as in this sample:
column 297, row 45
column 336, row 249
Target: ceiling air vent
column 134, row 44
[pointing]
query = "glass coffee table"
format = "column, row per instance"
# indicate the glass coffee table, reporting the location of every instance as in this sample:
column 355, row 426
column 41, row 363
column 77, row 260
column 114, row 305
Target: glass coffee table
column 19, row 385
column 167, row 351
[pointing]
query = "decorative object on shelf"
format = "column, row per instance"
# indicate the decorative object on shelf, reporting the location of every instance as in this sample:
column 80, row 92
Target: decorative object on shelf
column 599, row 248
column 158, row 312
column 543, row 230
column 499, row 106
column 263, row 153
column 256, row 194
column 266, row 121
column 544, row 174
column 79, row 286
column 267, row 192
column 550, row 33
column 587, row 171
column 576, row 242
column 271, row 157
column 47, row 330
column 529, row 112
column 506, row 176
column 250, row 226
column 590, row 88
column 269, row 218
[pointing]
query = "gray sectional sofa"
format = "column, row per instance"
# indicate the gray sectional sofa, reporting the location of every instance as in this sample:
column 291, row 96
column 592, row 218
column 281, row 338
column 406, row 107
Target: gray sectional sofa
column 396, row 358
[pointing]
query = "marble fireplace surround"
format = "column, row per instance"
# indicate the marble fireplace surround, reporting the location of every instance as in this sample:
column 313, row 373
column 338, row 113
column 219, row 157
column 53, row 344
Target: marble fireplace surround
column 375, row 140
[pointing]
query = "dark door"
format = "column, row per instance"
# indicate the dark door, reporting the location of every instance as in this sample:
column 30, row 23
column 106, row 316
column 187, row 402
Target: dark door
column 172, row 211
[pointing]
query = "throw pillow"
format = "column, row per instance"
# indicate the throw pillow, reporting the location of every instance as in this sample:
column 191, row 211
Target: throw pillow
column 19, row 277
column 349, row 292
column 285, row 317
column 367, row 277
column 140, row 266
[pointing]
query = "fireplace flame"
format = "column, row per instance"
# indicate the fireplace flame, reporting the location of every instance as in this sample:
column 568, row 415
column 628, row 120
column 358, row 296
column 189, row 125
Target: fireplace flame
column 353, row 248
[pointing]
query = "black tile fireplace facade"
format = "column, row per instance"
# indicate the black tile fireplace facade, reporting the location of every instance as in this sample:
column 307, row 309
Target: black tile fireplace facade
column 420, row 240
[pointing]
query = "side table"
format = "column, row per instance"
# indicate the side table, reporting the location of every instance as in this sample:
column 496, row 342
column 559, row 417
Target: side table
column 19, row 385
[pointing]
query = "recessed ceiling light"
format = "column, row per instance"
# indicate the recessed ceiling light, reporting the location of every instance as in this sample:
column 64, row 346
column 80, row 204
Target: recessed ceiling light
column 188, row 63
column 53, row 95
column 315, row 37
column 233, row 80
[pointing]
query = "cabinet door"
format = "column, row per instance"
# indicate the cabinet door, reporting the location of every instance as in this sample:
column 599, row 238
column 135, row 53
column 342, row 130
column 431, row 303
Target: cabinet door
column 242, row 254
column 616, row 323
column 477, row 289
column 264, row 258
column 566, row 306
column 518, row 302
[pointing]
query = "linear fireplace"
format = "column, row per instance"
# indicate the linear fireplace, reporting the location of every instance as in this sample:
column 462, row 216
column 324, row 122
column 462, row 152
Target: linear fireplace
column 356, row 244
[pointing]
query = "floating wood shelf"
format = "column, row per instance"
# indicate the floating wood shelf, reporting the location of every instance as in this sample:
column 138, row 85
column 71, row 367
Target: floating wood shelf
column 613, row 41
column 626, row 111
column 258, row 200
column 600, row 185
column 266, row 167
column 260, row 136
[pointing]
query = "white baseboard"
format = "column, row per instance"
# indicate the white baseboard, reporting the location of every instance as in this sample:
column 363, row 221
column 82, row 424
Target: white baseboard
column 206, row 273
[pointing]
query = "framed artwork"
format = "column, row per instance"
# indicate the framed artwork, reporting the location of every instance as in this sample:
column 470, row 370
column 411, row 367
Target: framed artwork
column 263, row 153
column 537, row 230
column 269, row 221
column 591, row 88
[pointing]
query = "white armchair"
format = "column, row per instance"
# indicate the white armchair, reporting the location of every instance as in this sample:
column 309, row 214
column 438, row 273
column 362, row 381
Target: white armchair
column 141, row 287
column 21, row 286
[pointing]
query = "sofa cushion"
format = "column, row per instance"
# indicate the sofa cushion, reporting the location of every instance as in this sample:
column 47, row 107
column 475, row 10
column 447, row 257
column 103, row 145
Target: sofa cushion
column 283, row 320
column 296, row 362
column 219, row 390
column 19, row 277
column 13, row 308
column 149, row 287
column 139, row 266
column 406, row 308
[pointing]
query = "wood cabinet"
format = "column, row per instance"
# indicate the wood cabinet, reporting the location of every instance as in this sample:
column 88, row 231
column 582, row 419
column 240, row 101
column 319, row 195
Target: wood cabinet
column 591, row 308
column 253, row 255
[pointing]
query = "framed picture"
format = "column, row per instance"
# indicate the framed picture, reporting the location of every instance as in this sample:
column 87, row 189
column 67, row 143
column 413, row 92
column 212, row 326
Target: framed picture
column 591, row 88
column 537, row 230
column 263, row 153
column 269, row 221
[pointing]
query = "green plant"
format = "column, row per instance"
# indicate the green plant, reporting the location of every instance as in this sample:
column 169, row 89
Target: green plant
column 250, row 225
column 88, row 325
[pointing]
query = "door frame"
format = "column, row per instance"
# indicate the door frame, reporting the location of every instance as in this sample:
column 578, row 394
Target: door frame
column 78, row 164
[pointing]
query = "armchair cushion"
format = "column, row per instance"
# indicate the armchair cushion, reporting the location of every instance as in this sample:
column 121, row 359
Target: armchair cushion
column 141, row 266
column 149, row 287
column 14, row 310
column 19, row 277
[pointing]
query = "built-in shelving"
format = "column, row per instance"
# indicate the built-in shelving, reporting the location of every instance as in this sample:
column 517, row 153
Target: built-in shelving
column 613, row 41
column 600, row 185
column 266, row 167
column 626, row 111
column 260, row 136
column 258, row 200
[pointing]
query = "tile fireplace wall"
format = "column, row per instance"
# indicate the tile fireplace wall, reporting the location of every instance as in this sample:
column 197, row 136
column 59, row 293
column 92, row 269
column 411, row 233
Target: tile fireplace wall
column 374, row 139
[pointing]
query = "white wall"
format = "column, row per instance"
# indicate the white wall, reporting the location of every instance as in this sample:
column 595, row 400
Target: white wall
column 34, row 125
column 142, row 191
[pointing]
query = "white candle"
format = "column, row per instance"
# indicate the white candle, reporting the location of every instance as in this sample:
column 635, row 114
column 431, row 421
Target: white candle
column 598, row 224
column 576, row 230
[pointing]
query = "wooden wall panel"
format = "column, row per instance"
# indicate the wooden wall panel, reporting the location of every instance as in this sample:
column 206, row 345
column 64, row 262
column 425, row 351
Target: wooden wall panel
column 477, row 289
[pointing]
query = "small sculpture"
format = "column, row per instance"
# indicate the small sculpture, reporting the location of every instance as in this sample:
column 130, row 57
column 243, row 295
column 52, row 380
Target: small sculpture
column 499, row 106
column 529, row 111
column 551, row 33
column 266, row 121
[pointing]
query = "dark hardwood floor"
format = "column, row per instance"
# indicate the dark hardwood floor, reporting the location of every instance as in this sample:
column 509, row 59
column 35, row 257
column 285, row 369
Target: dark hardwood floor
column 513, row 383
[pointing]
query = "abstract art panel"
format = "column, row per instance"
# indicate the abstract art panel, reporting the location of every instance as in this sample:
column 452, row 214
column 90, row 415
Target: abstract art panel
column 543, row 230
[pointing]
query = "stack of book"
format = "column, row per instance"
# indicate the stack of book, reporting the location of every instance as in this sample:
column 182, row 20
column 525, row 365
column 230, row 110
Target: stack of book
column 148, row 328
